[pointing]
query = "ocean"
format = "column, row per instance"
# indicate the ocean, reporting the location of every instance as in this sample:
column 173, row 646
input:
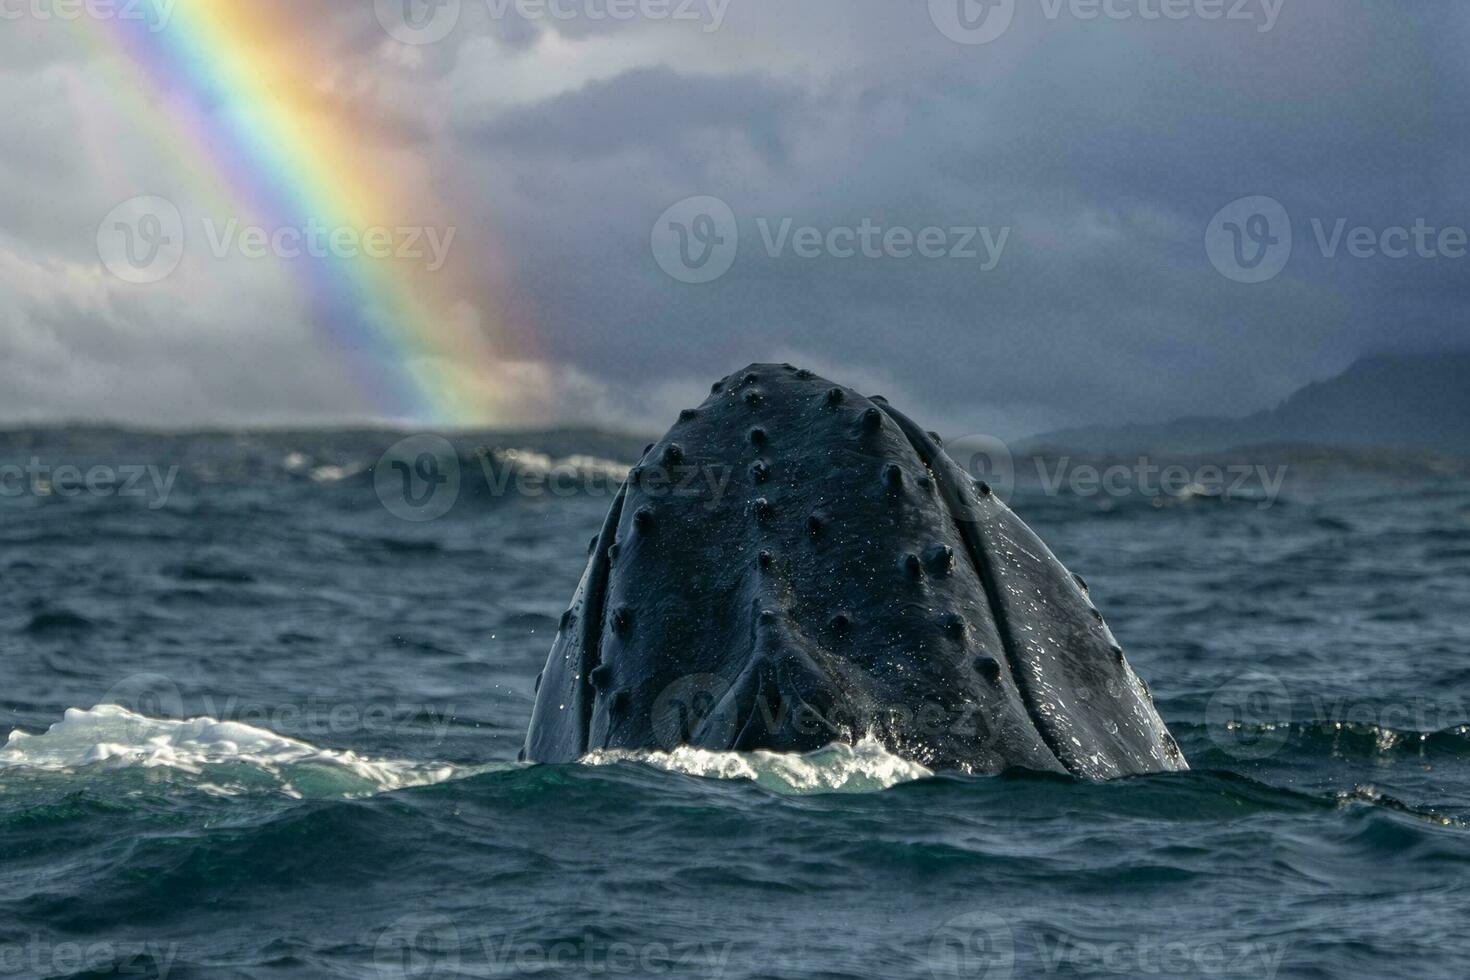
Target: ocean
column 256, row 723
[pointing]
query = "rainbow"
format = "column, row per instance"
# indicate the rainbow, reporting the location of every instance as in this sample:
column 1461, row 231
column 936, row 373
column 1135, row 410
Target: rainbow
column 236, row 87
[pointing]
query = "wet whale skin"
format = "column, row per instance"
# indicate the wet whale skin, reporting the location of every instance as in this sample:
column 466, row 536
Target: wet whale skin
column 795, row 564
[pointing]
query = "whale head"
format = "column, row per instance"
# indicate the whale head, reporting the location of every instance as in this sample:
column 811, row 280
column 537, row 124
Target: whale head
column 795, row 564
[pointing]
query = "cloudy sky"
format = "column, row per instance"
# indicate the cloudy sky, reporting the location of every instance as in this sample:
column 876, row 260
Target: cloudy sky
column 1026, row 233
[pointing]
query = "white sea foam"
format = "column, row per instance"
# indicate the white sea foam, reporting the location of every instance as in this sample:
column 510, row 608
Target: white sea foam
column 336, row 474
column 862, row 768
column 578, row 464
column 232, row 758
column 226, row 756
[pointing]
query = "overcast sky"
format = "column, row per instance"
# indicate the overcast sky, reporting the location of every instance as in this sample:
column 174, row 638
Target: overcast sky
column 1071, row 167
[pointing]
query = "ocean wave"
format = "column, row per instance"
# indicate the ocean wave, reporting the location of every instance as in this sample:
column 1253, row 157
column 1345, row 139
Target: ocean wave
column 862, row 768
column 220, row 757
column 1331, row 739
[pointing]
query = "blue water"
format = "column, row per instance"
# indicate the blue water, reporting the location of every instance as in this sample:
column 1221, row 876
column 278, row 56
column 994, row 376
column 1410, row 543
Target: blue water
column 259, row 726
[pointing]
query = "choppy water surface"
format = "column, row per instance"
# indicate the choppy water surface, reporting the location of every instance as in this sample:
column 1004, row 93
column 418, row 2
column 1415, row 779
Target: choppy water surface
column 260, row 726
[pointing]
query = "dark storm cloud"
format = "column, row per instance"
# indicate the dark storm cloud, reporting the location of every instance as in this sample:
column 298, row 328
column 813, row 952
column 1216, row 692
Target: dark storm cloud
column 1105, row 147
column 1099, row 148
column 643, row 109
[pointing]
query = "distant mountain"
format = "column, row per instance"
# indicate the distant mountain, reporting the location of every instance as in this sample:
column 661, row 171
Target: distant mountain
column 1399, row 401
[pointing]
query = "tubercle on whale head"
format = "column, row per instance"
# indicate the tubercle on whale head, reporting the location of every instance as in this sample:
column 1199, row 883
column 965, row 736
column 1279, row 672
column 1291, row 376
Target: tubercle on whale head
column 850, row 578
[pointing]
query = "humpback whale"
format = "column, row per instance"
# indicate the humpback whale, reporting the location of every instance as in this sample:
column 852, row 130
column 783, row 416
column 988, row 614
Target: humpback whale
column 795, row 564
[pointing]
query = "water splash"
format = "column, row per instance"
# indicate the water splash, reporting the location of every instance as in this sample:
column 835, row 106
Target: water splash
column 220, row 757
column 866, row 767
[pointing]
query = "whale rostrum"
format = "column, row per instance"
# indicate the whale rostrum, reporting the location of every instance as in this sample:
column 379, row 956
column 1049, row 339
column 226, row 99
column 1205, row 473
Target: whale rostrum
column 795, row 564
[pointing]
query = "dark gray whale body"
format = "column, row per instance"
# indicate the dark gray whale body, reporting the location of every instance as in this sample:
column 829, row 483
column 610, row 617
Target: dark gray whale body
column 795, row 565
